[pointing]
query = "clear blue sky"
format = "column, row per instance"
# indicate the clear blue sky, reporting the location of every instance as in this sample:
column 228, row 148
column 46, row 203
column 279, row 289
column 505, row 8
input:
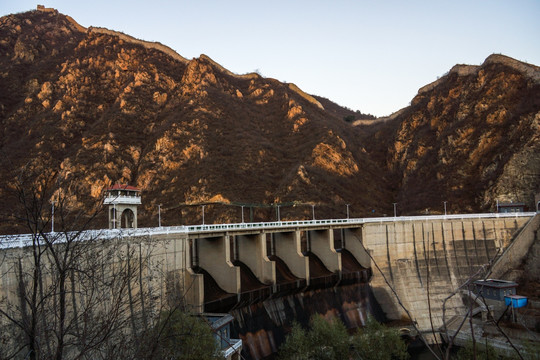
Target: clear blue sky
column 371, row 56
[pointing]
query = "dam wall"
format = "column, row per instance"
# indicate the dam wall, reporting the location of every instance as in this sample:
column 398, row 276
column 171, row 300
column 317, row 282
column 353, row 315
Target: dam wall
column 517, row 251
column 270, row 274
column 425, row 261
column 72, row 287
column 153, row 262
column 328, row 269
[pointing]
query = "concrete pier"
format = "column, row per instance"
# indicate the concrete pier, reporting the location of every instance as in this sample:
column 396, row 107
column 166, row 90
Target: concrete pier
column 322, row 245
column 354, row 243
column 288, row 247
column 215, row 257
column 252, row 252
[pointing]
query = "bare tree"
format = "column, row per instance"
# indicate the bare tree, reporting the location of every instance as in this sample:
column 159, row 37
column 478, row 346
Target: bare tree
column 77, row 293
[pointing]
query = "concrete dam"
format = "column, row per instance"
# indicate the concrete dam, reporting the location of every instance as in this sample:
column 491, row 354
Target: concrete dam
column 269, row 274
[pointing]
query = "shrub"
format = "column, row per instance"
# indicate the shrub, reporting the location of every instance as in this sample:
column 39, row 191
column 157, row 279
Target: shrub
column 377, row 342
column 181, row 336
column 326, row 340
column 329, row 340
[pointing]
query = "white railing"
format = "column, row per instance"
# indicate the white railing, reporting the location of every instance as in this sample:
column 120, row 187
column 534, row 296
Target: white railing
column 315, row 223
column 121, row 199
column 24, row 240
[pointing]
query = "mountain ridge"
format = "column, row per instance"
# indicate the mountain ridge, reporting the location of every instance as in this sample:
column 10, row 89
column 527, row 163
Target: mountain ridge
column 528, row 70
column 477, row 122
column 102, row 111
column 84, row 110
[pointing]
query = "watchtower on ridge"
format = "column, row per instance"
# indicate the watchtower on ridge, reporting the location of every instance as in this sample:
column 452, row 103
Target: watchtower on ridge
column 123, row 201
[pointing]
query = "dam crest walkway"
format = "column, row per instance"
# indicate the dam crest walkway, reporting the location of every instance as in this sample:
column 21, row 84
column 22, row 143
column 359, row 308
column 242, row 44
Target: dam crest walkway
column 24, row 240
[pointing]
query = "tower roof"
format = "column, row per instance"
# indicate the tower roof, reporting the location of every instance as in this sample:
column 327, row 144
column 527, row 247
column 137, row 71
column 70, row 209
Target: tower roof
column 123, row 187
column 495, row 283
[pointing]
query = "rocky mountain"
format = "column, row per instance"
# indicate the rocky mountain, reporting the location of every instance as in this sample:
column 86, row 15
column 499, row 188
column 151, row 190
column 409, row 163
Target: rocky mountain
column 82, row 109
column 470, row 138
column 86, row 108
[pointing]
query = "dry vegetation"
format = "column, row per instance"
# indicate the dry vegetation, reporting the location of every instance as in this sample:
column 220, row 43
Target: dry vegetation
column 103, row 110
column 94, row 109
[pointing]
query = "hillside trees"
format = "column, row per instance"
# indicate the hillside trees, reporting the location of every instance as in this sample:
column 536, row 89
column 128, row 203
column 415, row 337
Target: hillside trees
column 177, row 335
column 324, row 340
column 376, row 341
column 330, row 340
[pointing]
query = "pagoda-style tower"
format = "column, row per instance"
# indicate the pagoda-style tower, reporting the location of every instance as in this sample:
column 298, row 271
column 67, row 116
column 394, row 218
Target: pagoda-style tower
column 122, row 201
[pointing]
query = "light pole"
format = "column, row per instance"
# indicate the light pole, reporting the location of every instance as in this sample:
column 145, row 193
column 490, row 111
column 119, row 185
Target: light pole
column 52, row 217
column 159, row 215
column 313, row 211
column 444, row 208
column 395, row 212
column 347, row 205
column 203, row 213
column 114, row 216
column 242, row 214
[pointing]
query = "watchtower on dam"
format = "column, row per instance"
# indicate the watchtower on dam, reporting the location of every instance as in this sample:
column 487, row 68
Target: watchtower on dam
column 230, row 267
column 122, row 201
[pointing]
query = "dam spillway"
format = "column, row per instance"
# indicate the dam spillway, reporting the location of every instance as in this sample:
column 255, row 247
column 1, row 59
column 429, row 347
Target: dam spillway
column 418, row 257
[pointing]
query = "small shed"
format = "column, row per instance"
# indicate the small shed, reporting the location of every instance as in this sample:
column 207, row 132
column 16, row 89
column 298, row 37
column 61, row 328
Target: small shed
column 221, row 326
column 512, row 207
column 495, row 289
column 118, row 190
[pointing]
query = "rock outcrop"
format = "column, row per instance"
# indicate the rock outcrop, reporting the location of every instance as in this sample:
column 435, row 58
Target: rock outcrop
column 88, row 109
column 470, row 138
column 81, row 109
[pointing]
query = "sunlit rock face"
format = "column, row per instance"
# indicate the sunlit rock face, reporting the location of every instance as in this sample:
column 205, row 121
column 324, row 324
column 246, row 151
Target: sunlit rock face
column 470, row 138
column 91, row 107
column 81, row 109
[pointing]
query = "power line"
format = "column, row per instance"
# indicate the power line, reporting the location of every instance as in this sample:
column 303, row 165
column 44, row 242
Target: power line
column 245, row 204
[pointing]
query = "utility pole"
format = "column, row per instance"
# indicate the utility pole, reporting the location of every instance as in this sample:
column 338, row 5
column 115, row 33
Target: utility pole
column 395, row 212
column 159, row 215
column 313, row 211
column 347, row 210
column 114, row 214
column 444, row 208
column 52, row 217
column 242, row 214
column 203, row 213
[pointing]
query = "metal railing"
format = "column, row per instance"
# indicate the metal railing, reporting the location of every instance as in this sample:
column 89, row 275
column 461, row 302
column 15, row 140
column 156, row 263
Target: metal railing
column 24, row 240
column 315, row 223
